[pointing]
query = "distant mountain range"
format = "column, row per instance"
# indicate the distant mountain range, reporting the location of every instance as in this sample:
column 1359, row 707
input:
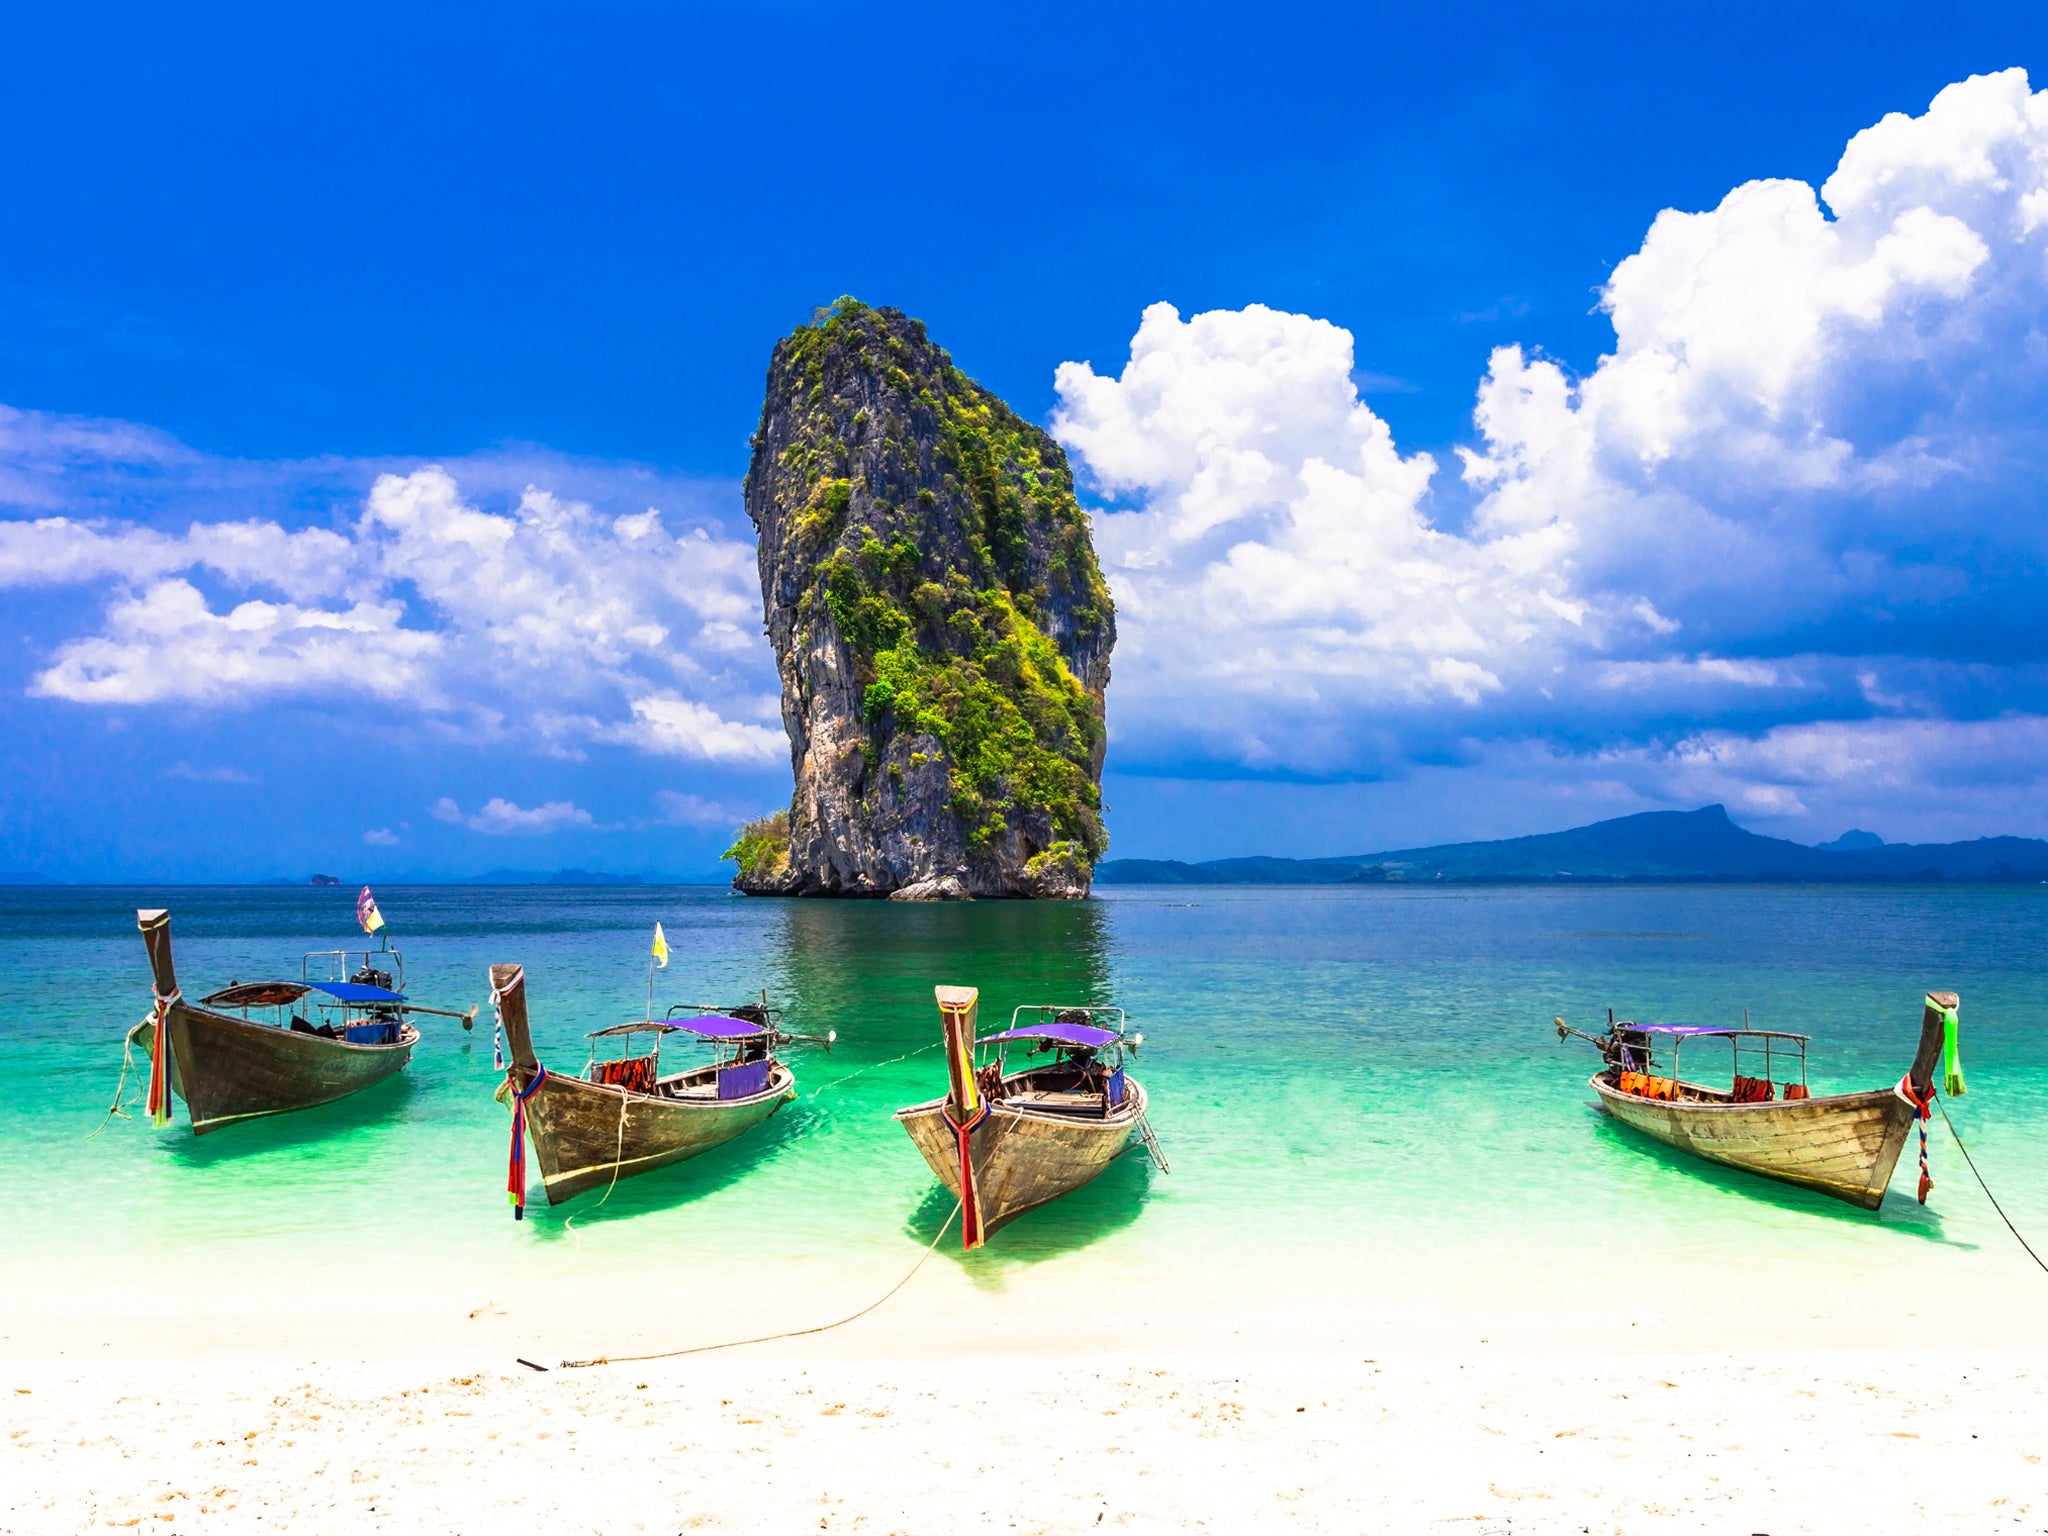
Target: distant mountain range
column 1656, row 845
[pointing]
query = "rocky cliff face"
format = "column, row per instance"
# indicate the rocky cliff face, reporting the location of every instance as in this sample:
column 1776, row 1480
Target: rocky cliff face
column 939, row 621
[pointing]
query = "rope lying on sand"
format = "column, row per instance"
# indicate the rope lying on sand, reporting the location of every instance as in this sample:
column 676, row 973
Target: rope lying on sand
column 769, row 1338
column 2015, row 1231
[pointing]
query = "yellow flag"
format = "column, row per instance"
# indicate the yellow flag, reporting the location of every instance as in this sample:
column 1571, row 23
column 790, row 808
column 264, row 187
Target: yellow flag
column 660, row 950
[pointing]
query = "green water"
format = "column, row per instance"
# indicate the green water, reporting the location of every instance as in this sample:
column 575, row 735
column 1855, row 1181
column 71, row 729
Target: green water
column 1369, row 1071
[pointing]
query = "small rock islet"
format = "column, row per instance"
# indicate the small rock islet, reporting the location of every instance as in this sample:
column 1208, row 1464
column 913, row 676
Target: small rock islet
column 939, row 621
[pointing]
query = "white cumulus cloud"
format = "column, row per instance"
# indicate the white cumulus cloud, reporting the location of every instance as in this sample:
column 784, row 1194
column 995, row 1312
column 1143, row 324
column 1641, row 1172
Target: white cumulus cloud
column 547, row 616
column 168, row 643
column 679, row 727
column 1277, row 553
column 687, row 810
column 500, row 817
column 1810, row 460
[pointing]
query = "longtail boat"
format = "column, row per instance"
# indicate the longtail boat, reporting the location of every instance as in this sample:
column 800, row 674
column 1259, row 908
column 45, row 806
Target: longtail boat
column 625, row 1115
column 1007, row 1142
column 266, row 1047
column 1843, row 1144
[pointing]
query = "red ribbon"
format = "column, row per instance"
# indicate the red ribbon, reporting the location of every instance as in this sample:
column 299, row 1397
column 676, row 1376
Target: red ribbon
column 159, row 1099
column 1923, row 1111
column 970, row 1199
column 515, row 1177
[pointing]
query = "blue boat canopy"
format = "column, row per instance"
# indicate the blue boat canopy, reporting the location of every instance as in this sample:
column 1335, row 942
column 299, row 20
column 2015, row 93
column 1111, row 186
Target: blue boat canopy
column 1065, row 1034
column 357, row 992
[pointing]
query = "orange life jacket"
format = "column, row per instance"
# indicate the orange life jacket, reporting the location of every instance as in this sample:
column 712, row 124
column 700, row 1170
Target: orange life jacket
column 635, row 1074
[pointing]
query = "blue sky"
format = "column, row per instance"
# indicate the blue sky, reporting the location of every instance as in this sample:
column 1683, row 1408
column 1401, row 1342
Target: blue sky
column 374, row 390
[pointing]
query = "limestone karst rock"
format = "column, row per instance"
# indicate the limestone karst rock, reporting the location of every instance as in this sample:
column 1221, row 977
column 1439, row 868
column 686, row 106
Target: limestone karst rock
column 939, row 621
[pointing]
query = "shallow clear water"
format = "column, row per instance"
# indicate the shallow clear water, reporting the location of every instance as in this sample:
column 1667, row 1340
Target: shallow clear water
column 1367, row 1069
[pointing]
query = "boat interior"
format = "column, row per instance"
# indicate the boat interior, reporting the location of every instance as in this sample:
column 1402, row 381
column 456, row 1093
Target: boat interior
column 362, row 1010
column 1085, row 1076
column 743, row 1060
column 1644, row 1060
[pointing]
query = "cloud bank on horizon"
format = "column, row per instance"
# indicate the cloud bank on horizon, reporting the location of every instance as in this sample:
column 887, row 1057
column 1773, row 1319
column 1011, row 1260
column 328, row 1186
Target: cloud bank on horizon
column 1782, row 547
column 560, row 625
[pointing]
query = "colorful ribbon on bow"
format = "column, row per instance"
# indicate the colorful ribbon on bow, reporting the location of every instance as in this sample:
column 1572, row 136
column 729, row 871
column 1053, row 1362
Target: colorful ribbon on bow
column 1951, row 1062
column 1923, row 1109
column 515, row 1178
column 159, row 1100
column 971, row 1235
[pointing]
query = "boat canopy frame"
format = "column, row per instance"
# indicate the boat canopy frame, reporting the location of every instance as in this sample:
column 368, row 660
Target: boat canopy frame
column 1734, row 1034
column 1054, row 1026
column 338, row 968
column 728, row 1044
column 357, row 1004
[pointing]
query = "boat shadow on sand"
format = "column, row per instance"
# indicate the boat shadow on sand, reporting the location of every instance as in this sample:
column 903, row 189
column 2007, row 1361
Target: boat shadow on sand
column 1900, row 1214
column 664, row 1188
column 1107, row 1204
column 380, row 1104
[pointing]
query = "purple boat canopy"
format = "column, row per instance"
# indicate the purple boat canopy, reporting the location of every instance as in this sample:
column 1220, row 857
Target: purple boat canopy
column 1065, row 1034
column 717, row 1026
column 706, row 1026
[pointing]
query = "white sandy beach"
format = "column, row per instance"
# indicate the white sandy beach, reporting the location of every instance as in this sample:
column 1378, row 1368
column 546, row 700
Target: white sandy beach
column 1045, row 1406
column 1818, row 1442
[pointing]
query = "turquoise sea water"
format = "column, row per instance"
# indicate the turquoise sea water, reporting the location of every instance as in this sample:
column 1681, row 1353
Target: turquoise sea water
column 1371, row 1071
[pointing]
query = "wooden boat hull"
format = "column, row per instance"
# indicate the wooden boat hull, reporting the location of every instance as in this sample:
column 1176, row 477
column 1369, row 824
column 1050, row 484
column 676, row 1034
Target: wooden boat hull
column 228, row 1069
column 1023, row 1158
column 580, row 1131
column 1845, row 1145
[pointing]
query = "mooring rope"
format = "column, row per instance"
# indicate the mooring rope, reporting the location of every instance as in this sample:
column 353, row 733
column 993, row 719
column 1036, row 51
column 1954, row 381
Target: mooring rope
column 872, row 1066
column 618, row 1155
column 2015, row 1231
column 121, row 1088
column 769, row 1338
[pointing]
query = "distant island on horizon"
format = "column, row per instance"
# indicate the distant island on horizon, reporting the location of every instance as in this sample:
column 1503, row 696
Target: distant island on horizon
column 1667, row 846
column 399, row 880
column 1671, row 847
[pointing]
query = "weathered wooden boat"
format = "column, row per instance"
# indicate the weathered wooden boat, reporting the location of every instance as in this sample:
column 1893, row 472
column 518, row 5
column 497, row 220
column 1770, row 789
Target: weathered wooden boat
column 1007, row 1142
column 1843, row 1144
column 624, row 1115
column 325, row 1037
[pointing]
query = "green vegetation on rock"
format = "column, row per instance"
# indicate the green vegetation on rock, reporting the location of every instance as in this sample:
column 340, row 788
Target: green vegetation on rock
column 948, row 643
column 941, row 627
column 761, row 847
